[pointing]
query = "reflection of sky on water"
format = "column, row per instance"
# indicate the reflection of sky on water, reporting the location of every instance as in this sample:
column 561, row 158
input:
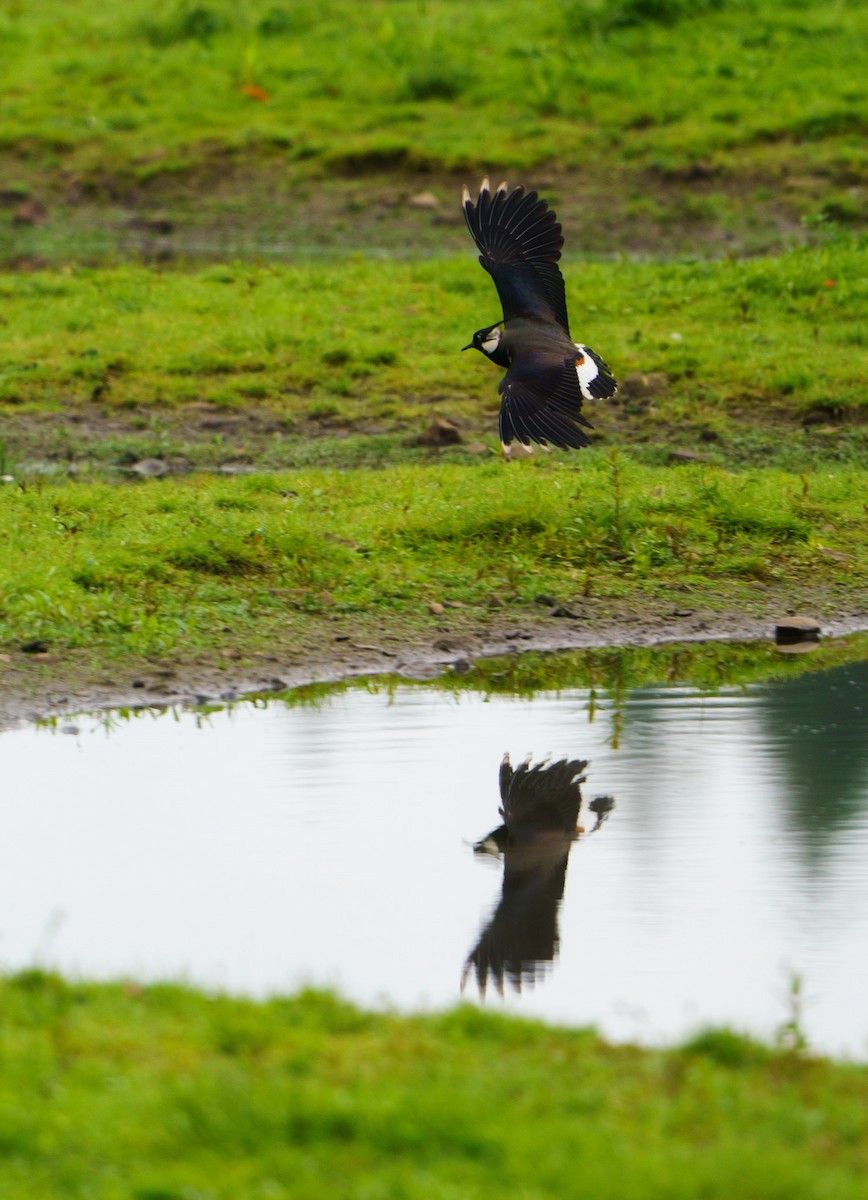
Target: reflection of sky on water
column 279, row 846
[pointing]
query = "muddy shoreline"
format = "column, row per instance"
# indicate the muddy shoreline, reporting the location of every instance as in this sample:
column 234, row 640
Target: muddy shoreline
column 34, row 687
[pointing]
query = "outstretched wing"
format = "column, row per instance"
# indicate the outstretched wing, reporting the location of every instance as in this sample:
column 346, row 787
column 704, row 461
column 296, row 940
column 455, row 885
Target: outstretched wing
column 520, row 242
column 542, row 402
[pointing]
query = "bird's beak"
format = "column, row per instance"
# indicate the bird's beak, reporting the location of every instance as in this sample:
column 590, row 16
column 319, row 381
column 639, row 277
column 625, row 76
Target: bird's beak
column 469, row 347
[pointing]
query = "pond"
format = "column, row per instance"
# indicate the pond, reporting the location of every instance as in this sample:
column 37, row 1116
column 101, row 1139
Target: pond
column 274, row 844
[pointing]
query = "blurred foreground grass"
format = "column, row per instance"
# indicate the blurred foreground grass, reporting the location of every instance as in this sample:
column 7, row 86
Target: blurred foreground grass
column 163, row 1093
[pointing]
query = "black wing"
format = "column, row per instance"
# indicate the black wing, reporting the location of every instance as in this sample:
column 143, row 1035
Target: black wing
column 542, row 402
column 540, row 806
column 520, row 242
column 545, row 796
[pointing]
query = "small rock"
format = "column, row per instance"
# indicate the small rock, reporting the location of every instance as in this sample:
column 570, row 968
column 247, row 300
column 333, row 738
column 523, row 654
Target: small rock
column 138, row 683
column 35, row 647
column 545, row 600
column 796, row 647
column 5, row 658
column 29, row 212
column 149, row 468
column 561, row 610
column 159, row 225
column 448, row 645
column 687, row 456
column 461, row 666
column 436, row 608
column 796, row 629
column 424, row 200
column 439, row 433
column 71, row 730
column 683, row 612
column 641, row 385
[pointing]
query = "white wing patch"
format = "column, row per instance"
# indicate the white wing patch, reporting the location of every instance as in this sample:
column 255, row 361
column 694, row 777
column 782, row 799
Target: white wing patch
column 586, row 369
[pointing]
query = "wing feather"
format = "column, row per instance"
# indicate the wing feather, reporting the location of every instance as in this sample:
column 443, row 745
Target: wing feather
column 520, row 241
column 542, row 402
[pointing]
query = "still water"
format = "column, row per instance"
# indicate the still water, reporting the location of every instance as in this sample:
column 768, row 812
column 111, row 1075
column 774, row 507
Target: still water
column 264, row 848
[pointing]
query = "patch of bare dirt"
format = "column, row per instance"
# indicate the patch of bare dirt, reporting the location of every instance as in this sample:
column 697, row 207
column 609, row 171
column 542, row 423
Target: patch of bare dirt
column 235, row 205
column 43, row 684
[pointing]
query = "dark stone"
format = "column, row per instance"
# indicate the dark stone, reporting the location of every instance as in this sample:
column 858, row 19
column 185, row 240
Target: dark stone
column 35, row 647
column 159, row 225
column 138, row 683
column 545, row 600
column 796, row 629
column 641, row 385
column 440, row 433
column 29, row 212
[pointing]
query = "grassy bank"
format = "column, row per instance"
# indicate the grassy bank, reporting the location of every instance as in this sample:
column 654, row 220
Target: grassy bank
column 150, row 88
column 161, row 1092
column 210, row 128
column 198, row 564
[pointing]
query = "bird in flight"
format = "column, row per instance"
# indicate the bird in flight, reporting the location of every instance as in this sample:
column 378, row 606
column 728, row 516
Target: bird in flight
column 547, row 373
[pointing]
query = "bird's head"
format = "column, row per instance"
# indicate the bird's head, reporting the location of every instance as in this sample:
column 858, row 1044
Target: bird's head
column 487, row 341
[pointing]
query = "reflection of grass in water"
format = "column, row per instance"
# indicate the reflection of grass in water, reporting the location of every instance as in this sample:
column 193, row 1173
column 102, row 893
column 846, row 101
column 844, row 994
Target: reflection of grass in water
column 161, row 1091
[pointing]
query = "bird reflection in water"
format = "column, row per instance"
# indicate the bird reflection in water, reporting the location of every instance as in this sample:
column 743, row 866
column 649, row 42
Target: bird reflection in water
column 540, row 807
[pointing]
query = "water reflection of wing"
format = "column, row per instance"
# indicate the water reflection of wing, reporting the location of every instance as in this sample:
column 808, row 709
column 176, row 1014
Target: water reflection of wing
column 540, row 809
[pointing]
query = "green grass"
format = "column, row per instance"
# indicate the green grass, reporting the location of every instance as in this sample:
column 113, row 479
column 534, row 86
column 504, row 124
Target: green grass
column 126, row 92
column 736, row 349
column 709, row 127
column 187, row 566
column 162, row 1093
column 304, row 128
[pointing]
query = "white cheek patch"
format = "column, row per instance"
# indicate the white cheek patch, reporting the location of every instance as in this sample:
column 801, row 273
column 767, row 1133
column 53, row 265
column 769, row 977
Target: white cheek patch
column 491, row 343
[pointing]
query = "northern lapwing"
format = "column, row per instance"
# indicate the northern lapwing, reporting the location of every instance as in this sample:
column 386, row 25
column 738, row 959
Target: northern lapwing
column 547, row 373
column 540, row 807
